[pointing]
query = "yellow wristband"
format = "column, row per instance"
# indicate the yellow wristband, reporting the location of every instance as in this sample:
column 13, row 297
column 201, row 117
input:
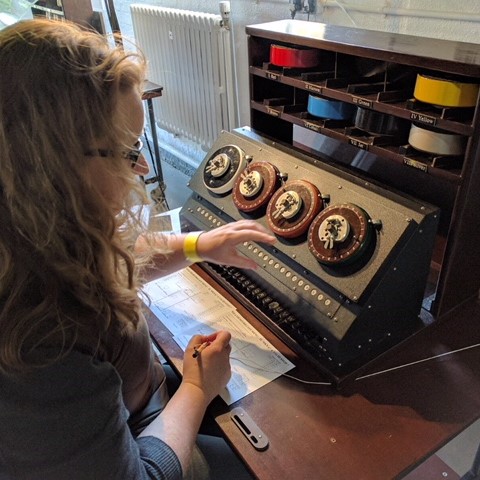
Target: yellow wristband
column 190, row 247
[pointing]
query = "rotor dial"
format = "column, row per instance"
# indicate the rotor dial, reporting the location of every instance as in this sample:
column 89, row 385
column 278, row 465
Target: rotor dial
column 340, row 234
column 292, row 208
column 255, row 186
column 223, row 168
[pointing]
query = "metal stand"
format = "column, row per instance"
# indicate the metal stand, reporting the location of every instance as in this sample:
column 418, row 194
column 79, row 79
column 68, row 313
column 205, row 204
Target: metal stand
column 151, row 91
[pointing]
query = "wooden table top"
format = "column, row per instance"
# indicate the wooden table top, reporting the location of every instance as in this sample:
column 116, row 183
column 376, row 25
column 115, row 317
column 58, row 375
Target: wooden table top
column 379, row 427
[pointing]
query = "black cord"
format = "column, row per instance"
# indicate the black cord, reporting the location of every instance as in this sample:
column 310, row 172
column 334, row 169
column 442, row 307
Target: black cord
column 154, row 163
column 158, row 193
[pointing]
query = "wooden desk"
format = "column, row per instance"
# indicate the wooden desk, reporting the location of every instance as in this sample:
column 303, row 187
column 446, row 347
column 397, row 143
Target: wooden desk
column 377, row 428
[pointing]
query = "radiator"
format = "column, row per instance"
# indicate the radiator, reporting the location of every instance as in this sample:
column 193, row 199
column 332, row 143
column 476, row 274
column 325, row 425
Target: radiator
column 190, row 55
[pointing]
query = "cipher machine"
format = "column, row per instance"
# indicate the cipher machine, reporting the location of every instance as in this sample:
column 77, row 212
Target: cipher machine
column 346, row 278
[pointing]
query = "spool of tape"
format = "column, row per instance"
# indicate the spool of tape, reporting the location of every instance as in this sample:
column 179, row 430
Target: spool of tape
column 293, row 57
column 331, row 109
column 430, row 141
column 380, row 123
column 445, row 93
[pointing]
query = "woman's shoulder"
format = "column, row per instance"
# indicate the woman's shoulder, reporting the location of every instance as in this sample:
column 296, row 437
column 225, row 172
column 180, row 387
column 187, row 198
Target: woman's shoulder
column 68, row 420
column 76, row 373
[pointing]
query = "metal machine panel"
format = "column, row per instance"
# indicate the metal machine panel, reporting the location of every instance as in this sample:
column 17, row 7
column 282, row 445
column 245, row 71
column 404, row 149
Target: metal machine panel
column 346, row 278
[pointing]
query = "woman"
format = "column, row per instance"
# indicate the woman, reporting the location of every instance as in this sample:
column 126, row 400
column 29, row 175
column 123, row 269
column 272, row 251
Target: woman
column 78, row 379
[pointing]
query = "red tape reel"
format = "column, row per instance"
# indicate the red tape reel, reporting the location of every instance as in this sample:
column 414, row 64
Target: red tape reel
column 293, row 57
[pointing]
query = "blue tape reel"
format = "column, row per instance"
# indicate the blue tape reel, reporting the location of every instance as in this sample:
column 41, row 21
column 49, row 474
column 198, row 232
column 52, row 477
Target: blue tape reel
column 330, row 109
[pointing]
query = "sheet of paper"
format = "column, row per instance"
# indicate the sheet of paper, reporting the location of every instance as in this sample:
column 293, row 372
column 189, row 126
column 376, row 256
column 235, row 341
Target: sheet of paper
column 167, row 222
column 184, row 301
column 187, row 305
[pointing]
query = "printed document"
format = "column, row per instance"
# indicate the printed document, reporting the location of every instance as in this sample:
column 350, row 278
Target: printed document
column 187, row 305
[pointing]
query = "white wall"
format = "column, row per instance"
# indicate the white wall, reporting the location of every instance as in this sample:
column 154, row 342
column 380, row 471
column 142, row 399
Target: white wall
column 459, row 20
column 243, row 12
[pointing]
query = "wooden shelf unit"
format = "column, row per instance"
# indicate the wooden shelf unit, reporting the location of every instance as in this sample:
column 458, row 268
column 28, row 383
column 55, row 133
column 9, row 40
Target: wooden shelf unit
column 377, row 71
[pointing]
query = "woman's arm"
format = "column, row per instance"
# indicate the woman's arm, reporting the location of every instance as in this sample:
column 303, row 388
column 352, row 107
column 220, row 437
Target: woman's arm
column 217, row 246
column 203, row 379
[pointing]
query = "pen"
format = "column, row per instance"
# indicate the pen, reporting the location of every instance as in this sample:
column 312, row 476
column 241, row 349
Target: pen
column 198, row 349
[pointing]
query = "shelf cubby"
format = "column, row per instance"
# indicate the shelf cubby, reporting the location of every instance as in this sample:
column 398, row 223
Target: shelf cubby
column 378, row 71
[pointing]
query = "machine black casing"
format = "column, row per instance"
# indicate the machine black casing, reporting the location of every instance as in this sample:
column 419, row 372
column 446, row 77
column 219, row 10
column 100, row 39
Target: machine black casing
column 338, row 318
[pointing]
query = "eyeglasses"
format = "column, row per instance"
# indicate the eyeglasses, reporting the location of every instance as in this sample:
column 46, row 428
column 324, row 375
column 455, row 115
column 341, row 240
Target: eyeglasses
column 133, row 154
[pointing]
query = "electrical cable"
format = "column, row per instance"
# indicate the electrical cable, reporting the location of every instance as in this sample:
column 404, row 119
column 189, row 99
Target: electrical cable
column 416, row 362
column 257, row 367
column 159, row 197
column 147, row 143
column 342, row 8
column 309, row 382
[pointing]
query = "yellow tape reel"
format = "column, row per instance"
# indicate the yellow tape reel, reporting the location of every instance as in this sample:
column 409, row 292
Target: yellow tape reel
column 445, row 93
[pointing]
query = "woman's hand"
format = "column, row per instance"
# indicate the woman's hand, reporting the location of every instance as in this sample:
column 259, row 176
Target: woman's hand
column 203, row 379
column 220, row 244
column 217, row 246
column 210, row 370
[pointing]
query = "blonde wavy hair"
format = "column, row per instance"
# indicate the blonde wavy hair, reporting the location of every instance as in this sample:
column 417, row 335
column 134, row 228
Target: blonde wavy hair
column 66, row 270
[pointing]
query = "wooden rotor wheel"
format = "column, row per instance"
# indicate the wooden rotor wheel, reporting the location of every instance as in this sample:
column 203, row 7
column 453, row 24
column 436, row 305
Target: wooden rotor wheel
column 293, row 207
column 340, row 234
column 223, row 168
column 255, row 186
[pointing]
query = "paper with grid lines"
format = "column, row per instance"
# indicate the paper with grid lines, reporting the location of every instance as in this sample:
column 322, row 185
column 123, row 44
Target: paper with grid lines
column 187, row 305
